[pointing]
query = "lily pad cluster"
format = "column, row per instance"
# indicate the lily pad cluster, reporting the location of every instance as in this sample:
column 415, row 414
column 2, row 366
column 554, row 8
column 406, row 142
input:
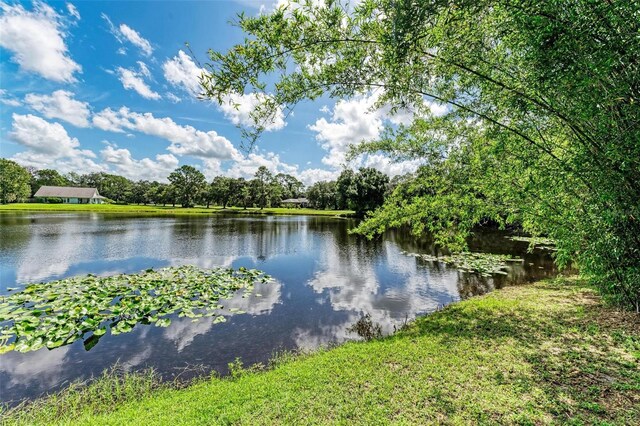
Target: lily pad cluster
column 541, row 242
column 485, row 264
column 60, row 312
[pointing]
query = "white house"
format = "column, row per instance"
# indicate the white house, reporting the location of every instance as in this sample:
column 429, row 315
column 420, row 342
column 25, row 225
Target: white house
column 297, row 202
column 71, row 195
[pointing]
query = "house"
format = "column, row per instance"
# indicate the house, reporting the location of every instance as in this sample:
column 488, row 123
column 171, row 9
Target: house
column 71, row 195
column 298, row 202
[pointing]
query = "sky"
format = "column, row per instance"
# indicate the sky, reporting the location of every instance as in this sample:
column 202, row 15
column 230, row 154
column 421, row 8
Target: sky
column 97, row 86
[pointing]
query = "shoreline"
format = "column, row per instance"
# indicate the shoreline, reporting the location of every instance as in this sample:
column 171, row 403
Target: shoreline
column 540, row 353
column 166, row 210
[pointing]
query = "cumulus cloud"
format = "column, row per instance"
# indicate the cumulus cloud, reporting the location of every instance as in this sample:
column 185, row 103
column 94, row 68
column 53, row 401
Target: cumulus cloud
column 49, row 146
column 136, row 39
column 360, row 119
column 133, row 80
column 388, row 166
column 36, row 39
column 246, row 166
column 60, row 104
column 182, row 72
column 238, row 108
column 126, row 33
column 185, row 140
column 352, row 121
column 8, row 99
column 125, row 165
column 311, row 176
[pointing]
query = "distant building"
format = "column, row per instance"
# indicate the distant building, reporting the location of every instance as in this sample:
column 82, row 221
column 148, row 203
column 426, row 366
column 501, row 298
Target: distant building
column 298, row 202
column 71, row 195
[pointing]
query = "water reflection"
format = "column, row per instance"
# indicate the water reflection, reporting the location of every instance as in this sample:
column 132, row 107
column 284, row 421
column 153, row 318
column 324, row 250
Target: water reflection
column 325, row 280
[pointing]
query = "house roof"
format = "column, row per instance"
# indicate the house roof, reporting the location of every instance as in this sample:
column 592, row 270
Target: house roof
column 295, row 200
column 67, row 192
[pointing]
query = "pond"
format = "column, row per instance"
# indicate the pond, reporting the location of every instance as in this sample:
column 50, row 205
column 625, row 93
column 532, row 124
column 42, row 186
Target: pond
column 324, row 281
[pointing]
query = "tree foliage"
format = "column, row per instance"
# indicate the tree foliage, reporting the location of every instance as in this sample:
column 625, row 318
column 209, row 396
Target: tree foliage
column 322, row 195
column 46, row 177
column 542, row 114
column 189, row 184
column 361, row 191
column 14, row 182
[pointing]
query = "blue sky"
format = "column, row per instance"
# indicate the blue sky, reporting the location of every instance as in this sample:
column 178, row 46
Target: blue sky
column 90, row 86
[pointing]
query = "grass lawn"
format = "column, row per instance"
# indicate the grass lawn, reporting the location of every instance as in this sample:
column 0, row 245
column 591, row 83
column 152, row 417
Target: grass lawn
column 548, row 353
column 169, row 210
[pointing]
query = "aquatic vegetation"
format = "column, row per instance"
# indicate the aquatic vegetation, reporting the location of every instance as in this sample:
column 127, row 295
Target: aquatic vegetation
column 60, row 312
column 485, row 264
column 541, row 242
column 366, row 328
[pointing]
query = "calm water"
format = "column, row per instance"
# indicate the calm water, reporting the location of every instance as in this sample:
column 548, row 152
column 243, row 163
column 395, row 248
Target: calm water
column 325, row 280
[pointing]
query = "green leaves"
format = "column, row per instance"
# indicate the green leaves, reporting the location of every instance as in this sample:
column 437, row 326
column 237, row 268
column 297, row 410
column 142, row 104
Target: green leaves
column 485, row 264
column 541, row 125
column 60, row 312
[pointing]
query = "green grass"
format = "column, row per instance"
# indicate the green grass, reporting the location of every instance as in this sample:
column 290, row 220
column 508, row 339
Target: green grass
column 161, row 210
column 548, row 353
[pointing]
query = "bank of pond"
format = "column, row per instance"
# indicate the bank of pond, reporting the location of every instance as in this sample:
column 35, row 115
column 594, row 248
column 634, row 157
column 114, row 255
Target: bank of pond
column 542, row 353
column 169, row 209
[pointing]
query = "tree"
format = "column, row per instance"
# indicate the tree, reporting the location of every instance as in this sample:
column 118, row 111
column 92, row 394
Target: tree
column 14, row 182
column 322, row 195
column 262, row 185
column 114, row 187
column 100, row 180
column 541, row 110
column 189, row 183
column 140, row 192
column 363, row 191
column 46, row 177
column 290, row 186
column 222, row 190
column 243, row 193
column 155, row 192
column 345, row 188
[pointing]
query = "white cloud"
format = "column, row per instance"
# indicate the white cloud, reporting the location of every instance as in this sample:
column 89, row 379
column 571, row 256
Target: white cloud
column 111, row 121
column 136, row 39
column 173, row 98
column 238, row 108
column 144, row 70
column 49, row 146
column 132, row 80
column 182, row 72
column 311, row 176
column 387, row 166
column 185, row 140
column 73, row 11
column 37, row 40
column 126, row 33
column 359, row 119
column 42, row 136
column 8, row 100
column 352, row 121
column 60, row 104
column 247, row 166
column 145, row 169
column 121, row 51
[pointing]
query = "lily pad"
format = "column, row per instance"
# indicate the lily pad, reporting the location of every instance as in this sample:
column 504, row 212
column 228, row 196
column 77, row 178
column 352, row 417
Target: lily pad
column 541, row 242
column 485, row 264
column 60, row 312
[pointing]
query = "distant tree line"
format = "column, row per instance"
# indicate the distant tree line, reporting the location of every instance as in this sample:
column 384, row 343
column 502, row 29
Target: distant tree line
column 361, row 191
